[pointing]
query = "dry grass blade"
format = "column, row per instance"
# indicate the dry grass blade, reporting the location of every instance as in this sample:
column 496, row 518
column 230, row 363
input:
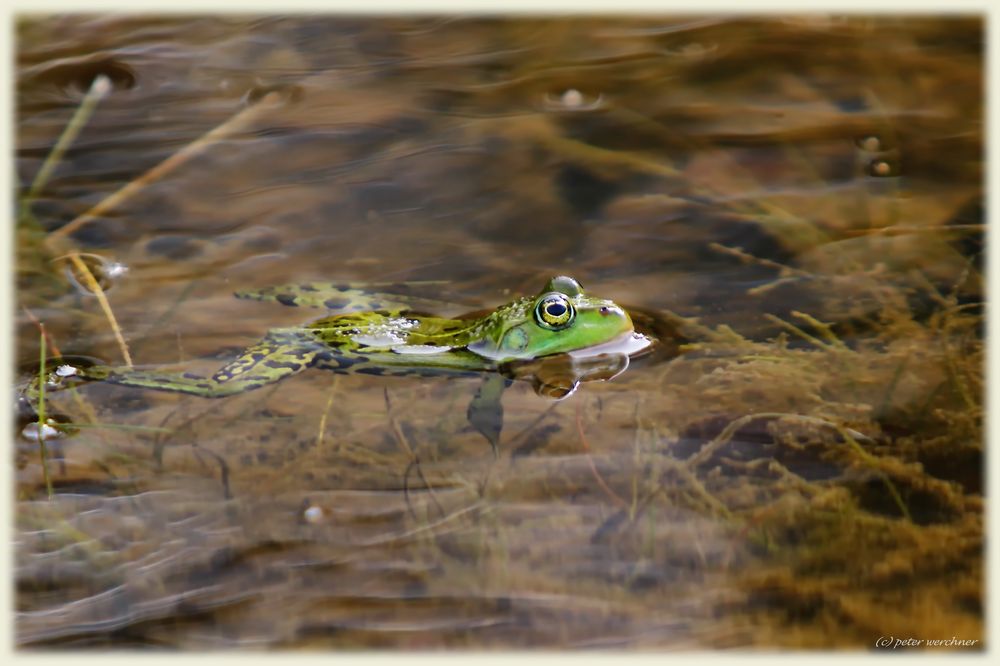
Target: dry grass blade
column 41, row 327
column 238, row 122
column 93, row 286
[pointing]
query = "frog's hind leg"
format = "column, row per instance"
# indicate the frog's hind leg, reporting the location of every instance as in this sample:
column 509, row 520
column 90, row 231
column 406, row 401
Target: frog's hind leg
column 264, row 363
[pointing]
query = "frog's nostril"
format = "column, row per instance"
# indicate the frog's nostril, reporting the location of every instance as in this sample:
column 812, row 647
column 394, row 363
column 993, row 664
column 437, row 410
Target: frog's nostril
column 605, row 311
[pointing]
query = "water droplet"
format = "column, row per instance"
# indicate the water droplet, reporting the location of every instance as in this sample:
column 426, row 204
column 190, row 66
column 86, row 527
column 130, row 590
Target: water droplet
column 313, row 514
column 105, row 271
column 116, row 269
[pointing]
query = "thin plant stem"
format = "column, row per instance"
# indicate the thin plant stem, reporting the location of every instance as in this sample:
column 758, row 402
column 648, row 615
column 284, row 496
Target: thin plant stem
column 99, row 89
column 400, row 438
column 611, row 494
column 42, row 449
column 798, row 331
column 326, row 412
column 747, row 258
column 824, row 329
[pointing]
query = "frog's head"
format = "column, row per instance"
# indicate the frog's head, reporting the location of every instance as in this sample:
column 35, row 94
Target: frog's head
column 561, row 318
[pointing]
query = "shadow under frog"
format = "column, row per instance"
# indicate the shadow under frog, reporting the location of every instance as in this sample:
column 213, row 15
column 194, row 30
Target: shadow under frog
column 556, row 339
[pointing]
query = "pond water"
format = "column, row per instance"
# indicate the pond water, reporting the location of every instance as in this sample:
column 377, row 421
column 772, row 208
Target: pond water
column 793, row 206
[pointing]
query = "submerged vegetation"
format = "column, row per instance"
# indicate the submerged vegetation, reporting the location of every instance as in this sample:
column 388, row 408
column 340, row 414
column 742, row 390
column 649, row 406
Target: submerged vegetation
column 799, row 465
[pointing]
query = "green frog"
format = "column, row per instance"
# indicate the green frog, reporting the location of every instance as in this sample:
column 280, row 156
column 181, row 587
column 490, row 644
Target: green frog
column 379, row 334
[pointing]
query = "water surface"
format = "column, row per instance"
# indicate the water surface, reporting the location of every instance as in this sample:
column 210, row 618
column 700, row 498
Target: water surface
column 802, row 469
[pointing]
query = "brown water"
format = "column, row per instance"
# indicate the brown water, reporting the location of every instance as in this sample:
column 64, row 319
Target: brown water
column 806, row 472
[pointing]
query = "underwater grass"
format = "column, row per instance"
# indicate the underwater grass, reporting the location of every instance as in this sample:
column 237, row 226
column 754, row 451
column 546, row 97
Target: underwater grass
column 55, row 241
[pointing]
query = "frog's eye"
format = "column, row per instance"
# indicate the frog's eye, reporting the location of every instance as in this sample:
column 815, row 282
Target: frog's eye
column 554, row 312
column 564, row 284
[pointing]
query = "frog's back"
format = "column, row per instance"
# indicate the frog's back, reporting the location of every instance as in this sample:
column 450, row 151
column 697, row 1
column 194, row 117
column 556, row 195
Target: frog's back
column 360, row 330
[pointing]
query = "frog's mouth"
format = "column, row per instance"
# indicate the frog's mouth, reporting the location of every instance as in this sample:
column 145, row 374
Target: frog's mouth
column 628, row 343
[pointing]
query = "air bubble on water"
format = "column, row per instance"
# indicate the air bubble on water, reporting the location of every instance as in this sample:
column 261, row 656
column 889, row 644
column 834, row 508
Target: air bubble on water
column 116, row 269
column 105, row 271
column 313, row 514
column 48, row 431
column 572, row 99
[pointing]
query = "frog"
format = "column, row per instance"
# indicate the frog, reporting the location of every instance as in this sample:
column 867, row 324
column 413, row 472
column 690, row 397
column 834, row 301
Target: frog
column 381, row 334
